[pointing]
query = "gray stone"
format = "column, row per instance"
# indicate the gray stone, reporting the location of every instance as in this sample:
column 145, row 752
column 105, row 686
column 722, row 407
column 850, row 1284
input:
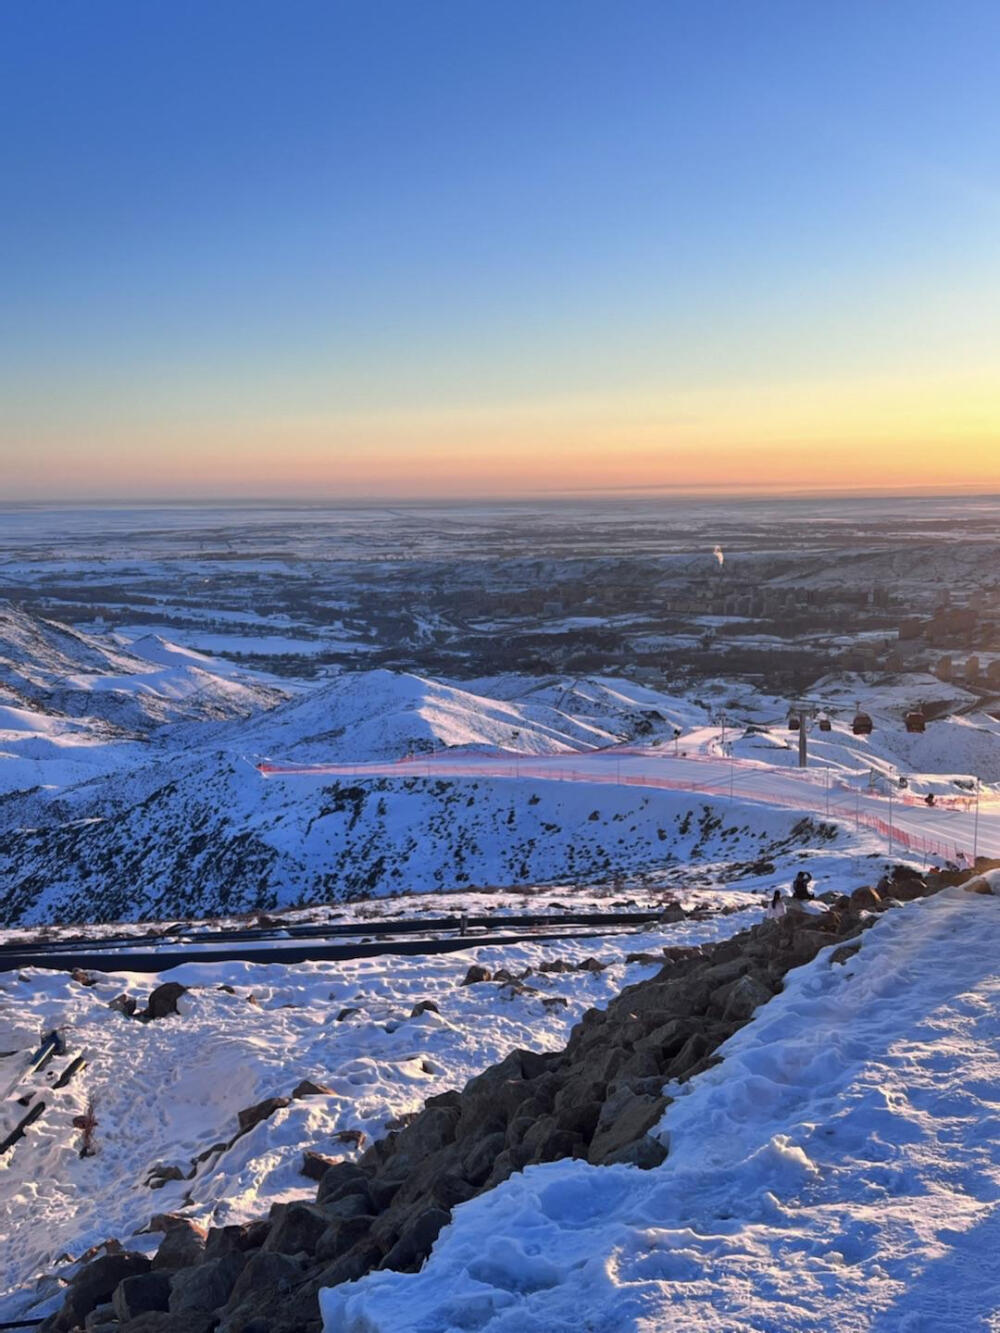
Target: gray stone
column 416, row 1241
column 95, row 1285
column 180, row 1248
column 205, row 1288
column 141, row 1292
column 253, row 1115
column 296, row 1227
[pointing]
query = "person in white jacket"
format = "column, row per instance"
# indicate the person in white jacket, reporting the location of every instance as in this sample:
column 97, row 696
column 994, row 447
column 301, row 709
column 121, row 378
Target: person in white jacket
column 776, row 908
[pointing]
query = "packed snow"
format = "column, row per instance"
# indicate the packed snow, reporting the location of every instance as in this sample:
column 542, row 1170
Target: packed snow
column 840, row 1169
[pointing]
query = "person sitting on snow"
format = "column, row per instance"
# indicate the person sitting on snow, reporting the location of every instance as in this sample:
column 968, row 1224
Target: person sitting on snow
column 800, row 886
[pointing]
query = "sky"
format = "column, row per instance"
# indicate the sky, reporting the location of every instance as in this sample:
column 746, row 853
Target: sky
column 351, row 248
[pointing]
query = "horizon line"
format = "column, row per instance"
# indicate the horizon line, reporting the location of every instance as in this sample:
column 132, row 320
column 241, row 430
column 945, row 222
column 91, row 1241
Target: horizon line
column 734, row 492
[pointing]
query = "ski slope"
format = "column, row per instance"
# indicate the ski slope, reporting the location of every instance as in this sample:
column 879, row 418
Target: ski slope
column 946, row 832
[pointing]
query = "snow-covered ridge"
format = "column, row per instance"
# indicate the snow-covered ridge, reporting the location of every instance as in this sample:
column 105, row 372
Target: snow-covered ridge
column 75, row 706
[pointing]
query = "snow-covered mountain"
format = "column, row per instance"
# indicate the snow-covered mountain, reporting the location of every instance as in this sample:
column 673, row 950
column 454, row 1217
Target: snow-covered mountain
column 211, row 836
column 76, row 705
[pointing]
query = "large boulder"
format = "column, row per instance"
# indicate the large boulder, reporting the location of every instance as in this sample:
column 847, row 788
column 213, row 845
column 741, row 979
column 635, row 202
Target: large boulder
column 163, row 1001
column 296, row 1227
column 140, row 1293
column 253, row 1115
column 180, row 1248
column 201, row 1290
column 416, row 1241
column 96, row 1283
column 625, row 1118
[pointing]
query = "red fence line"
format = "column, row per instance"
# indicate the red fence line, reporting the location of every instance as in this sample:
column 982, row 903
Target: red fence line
column 914, row 842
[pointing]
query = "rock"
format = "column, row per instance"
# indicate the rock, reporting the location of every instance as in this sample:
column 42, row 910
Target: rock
column 315, row 1165
column 238, row 1239
column 176, row 1221
column 163, row 1001
column 554, row 1002
column 100, row 1318
column 180, row 1248
column 355, row 1137
column 592, row 965
column 95, row 1285
column 347, row 1207
column 265, row 1272
column 205, row 1288
column 623, row 1121
column 556, row 965
column 671, row 914
column 296, row 1227
column 476, row 974
column 743, row 997
column 161, row 1173
column 866, row 899
column 253, row 1115
column 478, row 1162
column 845, row 951
column 398, row 1122
column 416, row 1241
column 124, row 1004
column 979, row 884
column 83, row 978
column 339, row 1237
column 645, row 1153
column 346, row 1013
column 307, row 1088
column 342, row 1178
column 141, row 1292
column 424, row 1007
column 157, row 1321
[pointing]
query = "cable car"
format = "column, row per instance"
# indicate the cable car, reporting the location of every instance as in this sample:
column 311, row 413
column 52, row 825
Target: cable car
column 794, row 722
column 825, row 724
column 862, row 724
column 916, row 721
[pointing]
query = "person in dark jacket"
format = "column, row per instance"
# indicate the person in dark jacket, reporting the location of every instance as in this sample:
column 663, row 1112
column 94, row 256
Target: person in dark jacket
column 800, row 886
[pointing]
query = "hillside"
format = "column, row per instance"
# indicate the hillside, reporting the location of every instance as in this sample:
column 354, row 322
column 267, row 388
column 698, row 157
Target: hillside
column 74, row 706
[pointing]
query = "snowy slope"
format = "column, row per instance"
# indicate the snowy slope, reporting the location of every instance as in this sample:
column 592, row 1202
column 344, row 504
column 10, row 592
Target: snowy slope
column 620, row 707
column 165, row 1091
column 839, row 1170
column 74, row 705
column 206, row 835
column 385, row 715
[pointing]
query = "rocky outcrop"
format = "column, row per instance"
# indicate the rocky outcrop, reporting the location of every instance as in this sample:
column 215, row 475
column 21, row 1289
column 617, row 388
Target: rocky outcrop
column 599, row 1099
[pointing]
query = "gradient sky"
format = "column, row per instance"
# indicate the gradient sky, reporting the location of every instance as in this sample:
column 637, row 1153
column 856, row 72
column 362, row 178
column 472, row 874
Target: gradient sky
column 460, row 247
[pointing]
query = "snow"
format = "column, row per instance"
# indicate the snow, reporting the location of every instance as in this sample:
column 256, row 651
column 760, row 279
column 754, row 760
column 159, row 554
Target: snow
column 840, row 1169
column 167, row 1090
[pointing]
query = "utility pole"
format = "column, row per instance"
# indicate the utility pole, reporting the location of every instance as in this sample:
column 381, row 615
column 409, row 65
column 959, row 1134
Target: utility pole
column 975, row 829
column 890, row 818
column 803, row 742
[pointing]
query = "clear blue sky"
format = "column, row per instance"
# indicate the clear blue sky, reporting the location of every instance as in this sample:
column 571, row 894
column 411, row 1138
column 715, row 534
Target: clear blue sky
column 395, row 240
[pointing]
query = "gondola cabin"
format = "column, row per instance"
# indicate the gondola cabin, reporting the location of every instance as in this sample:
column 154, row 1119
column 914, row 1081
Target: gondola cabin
column 794, row 722
column 825, row 724
column 916, row 721
column 862, row 724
